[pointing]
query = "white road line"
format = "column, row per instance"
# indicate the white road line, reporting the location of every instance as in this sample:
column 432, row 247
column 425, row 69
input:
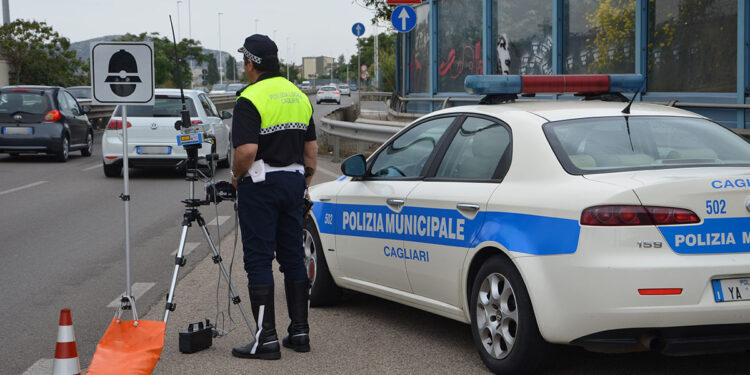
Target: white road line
column 138, row 289
column 189, row 247
column 325, row 171
column 97, row 165
column 222, row 220
column 40, row 367
column 23, row 187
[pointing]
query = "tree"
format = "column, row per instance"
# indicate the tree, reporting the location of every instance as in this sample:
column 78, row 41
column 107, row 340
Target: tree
column 382, row 10
column 213, row 71
column 230, row 70
column 164, row 58
column 38, row 55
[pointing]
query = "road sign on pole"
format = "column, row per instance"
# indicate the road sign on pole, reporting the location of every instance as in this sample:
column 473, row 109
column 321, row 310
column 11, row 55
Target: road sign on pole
column 363, row 68
column 358, row 29
column 404, row 18
column 397, row 2
column 122, row 73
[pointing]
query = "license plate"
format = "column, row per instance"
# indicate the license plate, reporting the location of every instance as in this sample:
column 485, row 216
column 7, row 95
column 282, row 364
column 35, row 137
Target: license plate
column 154, row 150
column 730, row 290
column 25, row 130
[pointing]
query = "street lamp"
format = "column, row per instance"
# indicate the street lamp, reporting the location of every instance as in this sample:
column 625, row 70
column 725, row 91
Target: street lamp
column 256, row 25
column 219, row 65
column 190, row 22
column 179, row 37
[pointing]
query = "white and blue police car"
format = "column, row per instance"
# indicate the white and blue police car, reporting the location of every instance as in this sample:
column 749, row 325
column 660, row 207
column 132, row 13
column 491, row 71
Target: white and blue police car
column 610, row 225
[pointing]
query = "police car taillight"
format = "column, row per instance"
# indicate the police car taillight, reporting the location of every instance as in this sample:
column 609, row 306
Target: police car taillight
column 553, row 84
column 627, row 215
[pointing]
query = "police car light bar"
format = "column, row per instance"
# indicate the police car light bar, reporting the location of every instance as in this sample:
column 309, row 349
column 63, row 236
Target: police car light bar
column 553, row 84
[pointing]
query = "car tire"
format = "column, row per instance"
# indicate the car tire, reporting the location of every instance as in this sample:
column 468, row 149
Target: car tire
column 112, row 170
column 504, row 326
column 324, row 291
column 89, row 149
column 13, row 154
column 318, row 101
column 227, row 162
column 64, row 153
column 338, row 102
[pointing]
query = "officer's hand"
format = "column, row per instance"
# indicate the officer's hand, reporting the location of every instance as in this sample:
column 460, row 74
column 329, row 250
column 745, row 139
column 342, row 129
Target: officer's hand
column 235, row 183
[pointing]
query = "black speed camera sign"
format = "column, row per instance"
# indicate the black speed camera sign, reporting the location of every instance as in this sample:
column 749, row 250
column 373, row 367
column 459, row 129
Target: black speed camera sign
column 122, row 73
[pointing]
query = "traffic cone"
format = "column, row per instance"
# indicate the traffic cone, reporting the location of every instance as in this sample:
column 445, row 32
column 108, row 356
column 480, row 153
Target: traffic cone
column 66, row 354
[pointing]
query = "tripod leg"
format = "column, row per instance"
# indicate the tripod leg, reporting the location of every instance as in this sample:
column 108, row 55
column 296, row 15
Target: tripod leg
column 179, row 262
column 217, row 259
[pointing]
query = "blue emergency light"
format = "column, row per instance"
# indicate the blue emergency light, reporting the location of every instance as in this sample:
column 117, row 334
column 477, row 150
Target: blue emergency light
column 553, row 84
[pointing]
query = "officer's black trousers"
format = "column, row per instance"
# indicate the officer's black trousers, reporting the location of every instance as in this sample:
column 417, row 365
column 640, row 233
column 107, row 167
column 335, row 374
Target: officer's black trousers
column 271, row 222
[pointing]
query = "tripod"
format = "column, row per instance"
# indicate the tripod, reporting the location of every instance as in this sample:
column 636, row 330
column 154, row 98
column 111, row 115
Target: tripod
column 192, row 214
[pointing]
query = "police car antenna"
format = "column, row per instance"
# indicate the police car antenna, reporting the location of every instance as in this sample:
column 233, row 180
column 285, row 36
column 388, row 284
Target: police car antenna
column 626, row 110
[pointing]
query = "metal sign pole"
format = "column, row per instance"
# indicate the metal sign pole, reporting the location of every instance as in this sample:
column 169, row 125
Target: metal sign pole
column 126, row 198
column 359, row 52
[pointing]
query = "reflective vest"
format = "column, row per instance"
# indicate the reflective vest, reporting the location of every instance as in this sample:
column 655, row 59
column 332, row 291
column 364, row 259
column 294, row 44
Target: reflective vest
column 282, row 106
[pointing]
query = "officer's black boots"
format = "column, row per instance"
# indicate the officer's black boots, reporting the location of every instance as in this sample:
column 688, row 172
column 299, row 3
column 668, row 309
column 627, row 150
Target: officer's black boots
column 297, row 295
column 266, row 345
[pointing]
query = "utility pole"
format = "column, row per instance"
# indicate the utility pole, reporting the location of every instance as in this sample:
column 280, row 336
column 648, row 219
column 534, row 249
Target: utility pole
column 6, row 12
column 359, row 63
column 256, row 25
column 190, row 22
column 287, row 58
column 346, row 53
column 377, row 66
column 179, row 29
column 220, row 65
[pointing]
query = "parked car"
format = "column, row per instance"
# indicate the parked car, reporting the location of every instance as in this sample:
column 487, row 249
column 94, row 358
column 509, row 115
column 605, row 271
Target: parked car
column 328, row 94
column 218, row 89
column 81, row 93
column 594, row 223
column 152, row 138
column 43, row 119
column 234, row 88
column 344, row 89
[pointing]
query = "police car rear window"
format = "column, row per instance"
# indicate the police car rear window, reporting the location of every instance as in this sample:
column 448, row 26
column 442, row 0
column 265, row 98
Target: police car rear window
column 163, row 107
column 614, row 144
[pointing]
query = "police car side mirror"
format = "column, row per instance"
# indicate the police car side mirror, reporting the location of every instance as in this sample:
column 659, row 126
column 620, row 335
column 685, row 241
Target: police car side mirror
column 225, row 115
column 354, row 166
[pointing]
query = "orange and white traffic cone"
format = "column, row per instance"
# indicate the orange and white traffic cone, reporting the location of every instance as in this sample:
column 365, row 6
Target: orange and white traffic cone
column 66, row 353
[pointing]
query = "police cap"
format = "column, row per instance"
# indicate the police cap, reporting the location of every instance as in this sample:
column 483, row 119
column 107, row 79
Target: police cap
column 258, row 48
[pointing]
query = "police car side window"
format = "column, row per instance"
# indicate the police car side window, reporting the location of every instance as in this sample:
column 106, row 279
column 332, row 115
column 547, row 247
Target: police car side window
column 407, row 154
column 475, row 151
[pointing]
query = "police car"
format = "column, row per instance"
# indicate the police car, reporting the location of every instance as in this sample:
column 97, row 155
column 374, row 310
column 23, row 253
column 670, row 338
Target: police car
column 610, row 225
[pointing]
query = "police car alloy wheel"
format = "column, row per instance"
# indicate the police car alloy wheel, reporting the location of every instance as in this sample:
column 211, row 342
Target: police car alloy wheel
column 502, row 320
column 323, row 291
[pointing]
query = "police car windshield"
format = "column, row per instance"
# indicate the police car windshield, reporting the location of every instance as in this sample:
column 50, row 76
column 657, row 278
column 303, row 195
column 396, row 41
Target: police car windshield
column 614, row 144
column 164, row 106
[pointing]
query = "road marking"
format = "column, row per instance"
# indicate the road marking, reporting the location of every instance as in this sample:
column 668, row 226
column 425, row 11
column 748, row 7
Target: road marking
column 325, row 171
column 23, row 187
column 40, row 367
column 222, row 220
column 189, row 247
column 138, row 289
column 97, row 165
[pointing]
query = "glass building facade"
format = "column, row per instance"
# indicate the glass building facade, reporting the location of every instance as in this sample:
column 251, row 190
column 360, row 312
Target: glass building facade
column 691, row 51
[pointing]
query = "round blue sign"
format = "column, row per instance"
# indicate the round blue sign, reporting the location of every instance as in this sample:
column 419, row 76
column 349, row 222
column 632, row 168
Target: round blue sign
column 358, row 29
column 404, row 18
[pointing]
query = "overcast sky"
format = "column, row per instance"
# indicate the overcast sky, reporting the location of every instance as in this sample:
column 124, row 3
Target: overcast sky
column 314, row 27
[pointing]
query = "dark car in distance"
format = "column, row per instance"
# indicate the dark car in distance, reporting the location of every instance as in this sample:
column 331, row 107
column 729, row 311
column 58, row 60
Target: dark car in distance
column 43, row 119
column 81, row 93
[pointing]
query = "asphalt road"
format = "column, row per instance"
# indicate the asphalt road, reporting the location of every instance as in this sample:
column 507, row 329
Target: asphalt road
column 63, row 245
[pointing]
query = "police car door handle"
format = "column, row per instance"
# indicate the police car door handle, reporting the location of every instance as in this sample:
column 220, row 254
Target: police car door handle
column 395, row 202
column 468, row 207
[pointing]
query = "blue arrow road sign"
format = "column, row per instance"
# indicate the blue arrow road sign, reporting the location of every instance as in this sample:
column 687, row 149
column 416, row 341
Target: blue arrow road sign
column 404, row 18
column 358, row 29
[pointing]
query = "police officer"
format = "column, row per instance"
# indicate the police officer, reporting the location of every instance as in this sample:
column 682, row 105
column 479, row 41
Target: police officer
column 275, row 157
